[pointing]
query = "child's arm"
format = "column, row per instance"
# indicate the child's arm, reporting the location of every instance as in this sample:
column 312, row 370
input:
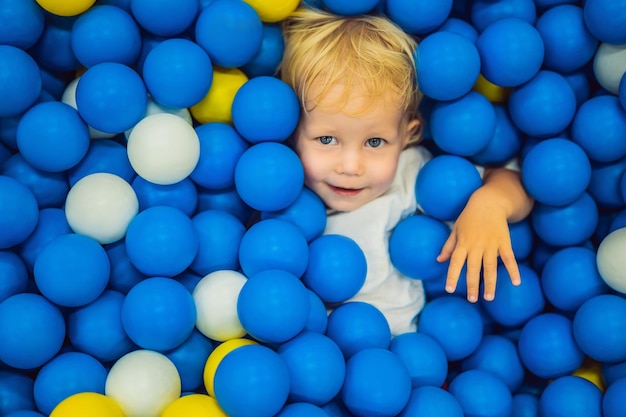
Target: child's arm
column 481, row 233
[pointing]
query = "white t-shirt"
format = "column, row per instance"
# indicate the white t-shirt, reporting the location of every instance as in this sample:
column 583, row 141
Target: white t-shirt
column 398, row 297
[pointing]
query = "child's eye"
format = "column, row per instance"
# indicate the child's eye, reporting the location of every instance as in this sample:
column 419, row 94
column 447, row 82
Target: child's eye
column 375, row 142
column 327, row 140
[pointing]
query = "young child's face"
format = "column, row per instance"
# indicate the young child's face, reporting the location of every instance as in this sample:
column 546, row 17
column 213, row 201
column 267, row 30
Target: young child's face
column 349, row 160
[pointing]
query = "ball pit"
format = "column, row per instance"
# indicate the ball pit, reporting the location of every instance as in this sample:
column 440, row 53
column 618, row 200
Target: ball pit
column 158, row 154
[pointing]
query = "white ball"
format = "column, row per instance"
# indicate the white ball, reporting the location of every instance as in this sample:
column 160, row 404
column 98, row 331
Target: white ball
column 216, row 297
column 609, row 65
column 143, row 383
column 69, row 98
column 101, row 206
column 163, row 148
column 155, row 108
column 611, row 261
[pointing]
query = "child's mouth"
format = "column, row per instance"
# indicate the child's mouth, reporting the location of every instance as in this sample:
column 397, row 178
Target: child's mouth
column 345, row 192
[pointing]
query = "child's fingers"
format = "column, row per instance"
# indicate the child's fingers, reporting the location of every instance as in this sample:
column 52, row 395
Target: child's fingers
column 474, row 266
column 510, row 263
column 490, row 268
column 447, row 249
column 457, row 260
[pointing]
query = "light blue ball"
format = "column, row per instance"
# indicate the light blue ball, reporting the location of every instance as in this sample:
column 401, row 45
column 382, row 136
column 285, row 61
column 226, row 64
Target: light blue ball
column 572, row 395
column 481, row 392
column 20, row 81
column 418, row 17
column 165, row 17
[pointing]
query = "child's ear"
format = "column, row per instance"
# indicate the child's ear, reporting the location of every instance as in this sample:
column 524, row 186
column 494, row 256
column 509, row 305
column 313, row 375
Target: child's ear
column 413, row 128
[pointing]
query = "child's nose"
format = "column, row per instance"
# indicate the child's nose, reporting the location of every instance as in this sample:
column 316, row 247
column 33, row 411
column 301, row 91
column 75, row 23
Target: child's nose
column 350, row 163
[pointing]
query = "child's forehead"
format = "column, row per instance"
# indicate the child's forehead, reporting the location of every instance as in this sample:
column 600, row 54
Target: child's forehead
column 355, row 98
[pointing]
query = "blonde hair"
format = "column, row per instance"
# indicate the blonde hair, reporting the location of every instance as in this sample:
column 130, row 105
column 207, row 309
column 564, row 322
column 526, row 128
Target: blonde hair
column 369, row 52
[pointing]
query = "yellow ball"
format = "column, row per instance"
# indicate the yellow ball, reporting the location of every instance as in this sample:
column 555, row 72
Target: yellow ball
column 216, row 357
column 87, row 404
column 66, row 7
column 216, row 105
column 194, row 405
column 494, row 93
column 591, row 371
column 273, row 11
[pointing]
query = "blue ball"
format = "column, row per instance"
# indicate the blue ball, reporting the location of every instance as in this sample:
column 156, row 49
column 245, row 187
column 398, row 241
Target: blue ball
column 252, row 381
column 414, row 245
column 451, row 130
column 220, row 235
column 24, row 413
column 418, row 17
column 19, row 212
column 350, row 8
column 316, row 367
column 556, row 172
column 93, row 40
column 13, row 275
column 599, row 128
column 21, row 23
column 182, row 195
column 273, row 244
column 605, row 179
column 606, row 20
column 547, row 347
column 33, row 339
column 337, row 268
column 227, row 200
column 65, row 375
column 111, row 97
column 505, row 143
column 161, row 241
column 485, row 12
column 103, row 155
column 444, row 184
column 273, row 306
column 356, row 325
column 570, row 277
column 544, row 106
column 423, row 357
column 426, row 400
column 178, row 73
column 190, row 359
column 20, row 83
column 461, row 27
column 525, row 404
column 158, row 314
column 380, row 371
column 220, row 149
column 165, row 17
column 580, row 83
column 599, row 328
column 50, row 224
column 16, row 391
column 96, row 329
column 53, row 50
column 572, row 396
column 231, row 32
column 267, row 59
column 511, row 51
column 301, row 410
column 265, row 109
column 448, row 65
column 613, row 400
column 269, row 176
column 124, row 275
column 480, row 392
column 522, row 239
column 454, row 323
column 52, row 136
column 568, row 225
column 621, row 91
column 318, row 316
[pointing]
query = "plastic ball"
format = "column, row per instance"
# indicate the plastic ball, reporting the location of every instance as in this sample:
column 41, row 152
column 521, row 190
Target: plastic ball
column 163, row 148
column 91, row 403
column 273, row 306
column 609, row 64
column 36, row 337
column 609, row 260
column 190, row 358
column 166, row 17
column 65, row 375
column 572, row 395
column 480, row 391
column 454, row 323
column 605, row 187
column 20, row 84
column 337, row 268
column 273, row 244
column 511, row 51
column 111, row 97
column 451, row 129
column 461, row 27
column 51, row 223
column 269, row 56
column 598, row 127
column 505, row 142
column 423, row 357
column 380, row 371
column 301, row 409
column 448, row 64
column 158, row 314
column 273, row 11
column 22, row 23
column 19, row 212
column 251, row 381
column 621, row 93
column 71, row 8
column 430, row 399
column 230, row 32
column 355, row 326
column 220, row 235
column 53, row 50
column 124, row 275
column 215, row 297
column 182, row 195
column 161, row 241
column 485, row 12
column 547, row 346
column 83, row 263
column 216, row 106
column 265, row 109
column 316, row 368
column 317, row 321
column 13, row 275
column 69, row 97
column 194, row 404
column 227, row 200
column 556, row 171
column 177, row 73
column 613, row 399
column 570, row 277
column 454, row 174
column 414, row 245
column 522, row 239
column 215, row 359
column 103, row 155
column 605, row 20
column 221, row 146
column 525, row 404
column 16, row 391
column 347, row 8
column 93, row 42
column 418, row 17
column 24, row 413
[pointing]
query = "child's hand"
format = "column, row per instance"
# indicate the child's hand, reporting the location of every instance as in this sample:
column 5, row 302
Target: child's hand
column 479, row 235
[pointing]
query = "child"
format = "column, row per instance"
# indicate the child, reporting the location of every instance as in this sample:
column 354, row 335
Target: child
column 356, row 80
